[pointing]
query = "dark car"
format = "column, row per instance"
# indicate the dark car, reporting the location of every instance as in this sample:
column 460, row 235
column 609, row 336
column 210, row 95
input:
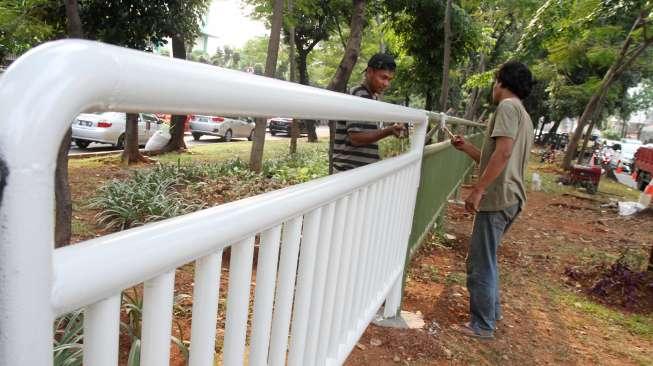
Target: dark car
column 282, row 126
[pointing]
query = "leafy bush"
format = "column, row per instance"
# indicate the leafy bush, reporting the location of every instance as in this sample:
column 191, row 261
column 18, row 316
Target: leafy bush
column 169, row 190
column 148, row 196
column 68, row 336
column 301, row 167
column 610, row 135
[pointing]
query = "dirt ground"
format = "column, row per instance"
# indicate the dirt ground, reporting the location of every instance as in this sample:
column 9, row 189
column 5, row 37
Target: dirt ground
column 548, row 318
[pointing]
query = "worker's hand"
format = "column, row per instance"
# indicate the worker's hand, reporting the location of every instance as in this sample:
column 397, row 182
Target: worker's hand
column 473, row 201
column 458, row 142
column 399, row 130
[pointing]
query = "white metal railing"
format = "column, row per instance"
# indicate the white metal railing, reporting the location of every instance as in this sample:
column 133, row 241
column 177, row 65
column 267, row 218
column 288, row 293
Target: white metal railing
column 331, row 253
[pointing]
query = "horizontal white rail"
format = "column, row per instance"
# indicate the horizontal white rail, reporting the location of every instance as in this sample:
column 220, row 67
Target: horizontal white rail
column 364, row 232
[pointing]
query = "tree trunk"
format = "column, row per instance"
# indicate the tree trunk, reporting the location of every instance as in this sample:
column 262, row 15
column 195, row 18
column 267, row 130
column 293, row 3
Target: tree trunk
column 256, row 155
column 131, row 154
column 476, row 96
column 541, row 131
column 294, row 135
column 591, row 111
column 63, row 203
column 444, row 96
column 64, row 206
column 343, row 73
column 428, row 104
column 73, row 23
column 310, row 127
column 177, row 122
column 339, row 81
column 291, row 46
column 302, row 67
column 586, row 141
column 552, row 131
column 292, row 60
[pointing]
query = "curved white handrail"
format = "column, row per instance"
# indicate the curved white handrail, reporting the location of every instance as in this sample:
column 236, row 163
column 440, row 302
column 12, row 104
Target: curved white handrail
column 46, row 88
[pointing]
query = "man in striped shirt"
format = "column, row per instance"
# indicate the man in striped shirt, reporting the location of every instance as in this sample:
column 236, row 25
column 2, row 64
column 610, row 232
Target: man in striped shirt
column 355, row 143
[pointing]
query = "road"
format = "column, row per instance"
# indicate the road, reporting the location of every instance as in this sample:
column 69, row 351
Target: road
column 98, row 148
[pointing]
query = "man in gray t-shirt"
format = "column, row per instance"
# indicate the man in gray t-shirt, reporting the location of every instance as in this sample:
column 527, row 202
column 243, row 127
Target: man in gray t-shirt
column 499, row 195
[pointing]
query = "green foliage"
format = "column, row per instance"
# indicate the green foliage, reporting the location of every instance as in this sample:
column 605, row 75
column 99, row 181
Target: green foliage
column 25, row 24
column 170, row 190
column 296, row 168
column 611, row 135
column 142, row 25
column 148, row 196
column 68, row 339
column 418, row 25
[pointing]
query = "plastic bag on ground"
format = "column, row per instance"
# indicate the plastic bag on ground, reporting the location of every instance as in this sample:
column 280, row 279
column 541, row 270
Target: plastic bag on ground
column 157, row 141
column 630, row 208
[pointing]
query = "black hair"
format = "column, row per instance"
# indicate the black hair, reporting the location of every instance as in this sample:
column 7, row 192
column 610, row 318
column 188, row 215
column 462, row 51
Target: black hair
column 382, row 61
column 516, row 77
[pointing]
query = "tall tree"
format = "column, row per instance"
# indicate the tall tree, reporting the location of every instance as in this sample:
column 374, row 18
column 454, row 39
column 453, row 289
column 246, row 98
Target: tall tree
column 63, row 202
column 145, row 25
column 444, row 95
column 294, row 125
column 177, row 122
column 256, row 155
column 636, row 42
column 343, row 73
column 419, row 25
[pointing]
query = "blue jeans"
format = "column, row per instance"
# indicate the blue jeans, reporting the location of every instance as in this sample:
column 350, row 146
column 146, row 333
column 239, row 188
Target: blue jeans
column 482, row 266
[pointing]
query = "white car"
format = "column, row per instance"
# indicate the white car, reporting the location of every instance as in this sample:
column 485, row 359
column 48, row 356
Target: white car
column 224, row 127
column 109, row 128
column 626, row 149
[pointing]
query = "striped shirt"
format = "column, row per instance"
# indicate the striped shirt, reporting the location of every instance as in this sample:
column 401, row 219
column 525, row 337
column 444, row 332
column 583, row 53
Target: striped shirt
column 345, row 155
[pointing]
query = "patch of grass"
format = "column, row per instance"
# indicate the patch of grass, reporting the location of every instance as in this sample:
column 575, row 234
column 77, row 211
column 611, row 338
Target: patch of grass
column 431, row 272
column 638, row 324
column 612, row 188
column 94, row 162
column 456, row 278
column 81, row 228
column 222, row 151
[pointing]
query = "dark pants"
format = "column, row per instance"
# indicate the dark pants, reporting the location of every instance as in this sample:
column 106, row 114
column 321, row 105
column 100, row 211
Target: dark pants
column 482, row 266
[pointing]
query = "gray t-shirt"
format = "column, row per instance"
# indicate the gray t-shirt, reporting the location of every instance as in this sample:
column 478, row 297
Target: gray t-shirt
column 509, row 120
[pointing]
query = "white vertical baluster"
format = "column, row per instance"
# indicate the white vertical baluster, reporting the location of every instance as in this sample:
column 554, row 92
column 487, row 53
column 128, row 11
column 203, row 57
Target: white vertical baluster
column 364, row 255
column 205, row 309
column 356, row 262
column 101, row 330
column 286, row 286
column 240, row 275
column 378, row 269
column 343, row 272
column 331, row 280
column 370, row 282
column 266, row 276
column 157, row 319
column 317, row 295
column 305, row 274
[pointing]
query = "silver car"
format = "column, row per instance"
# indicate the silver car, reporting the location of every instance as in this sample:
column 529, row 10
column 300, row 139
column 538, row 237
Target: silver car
column 224, row 127
column 109, row 128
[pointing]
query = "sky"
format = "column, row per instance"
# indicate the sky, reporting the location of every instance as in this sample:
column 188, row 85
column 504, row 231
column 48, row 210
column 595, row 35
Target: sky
column 228, row 20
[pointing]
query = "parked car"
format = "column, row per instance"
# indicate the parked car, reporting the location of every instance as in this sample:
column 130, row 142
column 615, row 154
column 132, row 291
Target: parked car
column 625, row 155
column 224, row 127
column 109, row 128
column 283, row 125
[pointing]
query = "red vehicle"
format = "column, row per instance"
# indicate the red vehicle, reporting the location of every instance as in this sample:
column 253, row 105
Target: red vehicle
column 643, row 166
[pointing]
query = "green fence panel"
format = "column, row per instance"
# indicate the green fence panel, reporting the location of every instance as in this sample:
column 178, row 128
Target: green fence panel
column 443, row 170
